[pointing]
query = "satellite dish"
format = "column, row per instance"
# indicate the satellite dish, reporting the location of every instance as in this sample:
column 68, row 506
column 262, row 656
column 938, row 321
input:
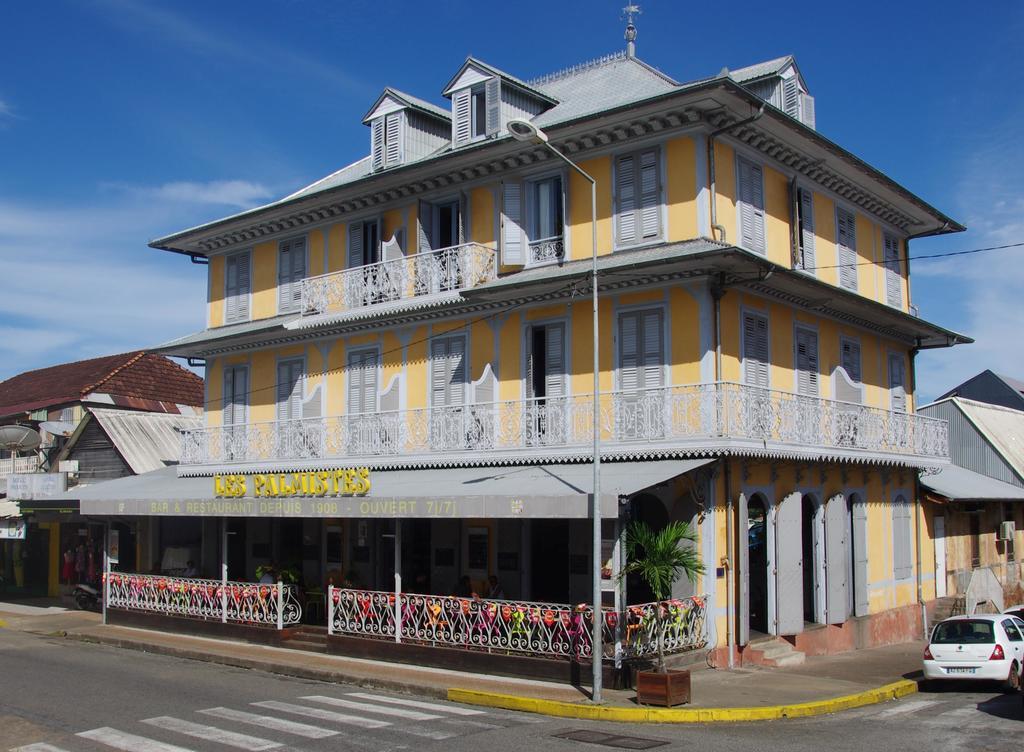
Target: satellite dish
column 19, row 438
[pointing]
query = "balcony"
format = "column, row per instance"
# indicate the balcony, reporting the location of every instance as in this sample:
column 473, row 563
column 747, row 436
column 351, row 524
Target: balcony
column 430, row 273
column 699, row 419
column 12, row 465
column 547, row 250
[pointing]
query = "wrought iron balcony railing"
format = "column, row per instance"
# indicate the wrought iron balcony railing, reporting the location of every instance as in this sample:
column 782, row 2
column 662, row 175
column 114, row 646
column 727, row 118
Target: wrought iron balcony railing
column 699, row 418
column 11, row 465
column 547, row 249
column 420, row 274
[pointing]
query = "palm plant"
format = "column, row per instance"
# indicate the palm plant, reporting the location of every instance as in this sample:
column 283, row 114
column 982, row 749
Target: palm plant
column 660, row 558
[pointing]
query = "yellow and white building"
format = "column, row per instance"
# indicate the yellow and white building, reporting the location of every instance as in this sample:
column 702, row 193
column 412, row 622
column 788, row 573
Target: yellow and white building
column 425, row 313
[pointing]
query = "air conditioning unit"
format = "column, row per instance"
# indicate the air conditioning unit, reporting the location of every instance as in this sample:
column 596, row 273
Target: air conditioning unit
column 1006, row 530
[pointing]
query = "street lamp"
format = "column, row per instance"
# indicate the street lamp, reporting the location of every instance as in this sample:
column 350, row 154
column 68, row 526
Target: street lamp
column 524, row 130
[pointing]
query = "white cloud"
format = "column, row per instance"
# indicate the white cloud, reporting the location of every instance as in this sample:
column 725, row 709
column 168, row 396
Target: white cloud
column 242, row 194
column 5, row 109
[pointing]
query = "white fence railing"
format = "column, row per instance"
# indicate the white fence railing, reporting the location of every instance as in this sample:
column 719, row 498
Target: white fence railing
column 263, row 604
column 670, row 417
column 12, row 465
column 553, row 630
column 427, row 273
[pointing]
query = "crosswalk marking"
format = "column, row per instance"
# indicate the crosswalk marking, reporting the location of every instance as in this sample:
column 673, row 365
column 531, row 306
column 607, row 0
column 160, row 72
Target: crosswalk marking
column 411, row 715
column 321, row 714
column 269, row 722
column 212, row 733
column 38, row 747
column 128, row 742
column 436, row 706
column 911, row 706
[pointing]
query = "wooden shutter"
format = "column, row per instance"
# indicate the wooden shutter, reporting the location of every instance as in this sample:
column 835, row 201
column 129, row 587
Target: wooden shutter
column 492, row 94
column 755, row 350
column 807, row 230
column 861, row 603
column 237, row 288
column 650, row 196
column 851, row 359
column 625, row 192
column 554, row 345
column 791, row 97
column 236, row 395
column 513, row 241
column 902, row 561
column 751, row 195
column 837, row 601
column 362, row 381
column 377, row 142
column 807, row 361
column 846, row 240
column 291, row 270
column 807, row 110
column 893, row 293
column 289, row 389
column 789, row 564
column 897, row 388
column 356, row 252
column 641, row 351
column 461, row 105
column 629, row 352
column 424, row 226
column 457, row 369
column 393, row 147
column 447, row 371
column 652, row 350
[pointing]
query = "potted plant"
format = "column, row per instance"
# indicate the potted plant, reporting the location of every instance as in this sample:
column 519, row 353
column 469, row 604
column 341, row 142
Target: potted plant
column 660, row 559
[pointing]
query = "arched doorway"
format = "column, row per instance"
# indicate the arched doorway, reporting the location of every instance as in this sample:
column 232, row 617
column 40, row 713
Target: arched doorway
column 757, row 561
column 809, row 540
column 650, row 509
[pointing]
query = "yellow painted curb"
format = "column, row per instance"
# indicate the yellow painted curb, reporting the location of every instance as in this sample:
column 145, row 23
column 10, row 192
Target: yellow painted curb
column 682, row 715
column 3, row 624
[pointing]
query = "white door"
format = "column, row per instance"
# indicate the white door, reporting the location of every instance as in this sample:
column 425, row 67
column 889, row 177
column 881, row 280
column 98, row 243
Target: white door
column 940, row 557
column 836, row 561
column 789, row 564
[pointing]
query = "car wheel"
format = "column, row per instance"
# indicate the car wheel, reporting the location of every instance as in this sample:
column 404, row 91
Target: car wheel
column 1013, row 680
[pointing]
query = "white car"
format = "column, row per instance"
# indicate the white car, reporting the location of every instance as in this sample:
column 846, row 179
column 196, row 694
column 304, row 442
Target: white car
column 979, row 647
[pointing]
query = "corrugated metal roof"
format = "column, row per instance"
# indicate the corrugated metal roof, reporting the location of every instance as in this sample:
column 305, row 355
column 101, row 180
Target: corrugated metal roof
column 231, row 331
column 759, row 70
column 147, row 441
column 1003, row 427
column 961, row 484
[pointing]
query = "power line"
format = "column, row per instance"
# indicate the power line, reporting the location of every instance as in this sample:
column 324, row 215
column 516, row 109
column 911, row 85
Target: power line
column 920, row 257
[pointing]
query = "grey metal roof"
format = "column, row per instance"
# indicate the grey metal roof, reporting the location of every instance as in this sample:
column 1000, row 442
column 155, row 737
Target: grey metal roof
column 348, row 174
column 501, row 74
column 228, row 332
column 759, row 70
column 1001, row 426
column 410, row 101
column 961, row 484
column 147, row 441
column 553, row 484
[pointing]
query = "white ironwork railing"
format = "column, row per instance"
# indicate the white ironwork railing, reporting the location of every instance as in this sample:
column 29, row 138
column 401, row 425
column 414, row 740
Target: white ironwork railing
column 667, row 417
column 426, row 273
column 547, row 249
column 545, row 629
column 264, row 604
column 11, row 465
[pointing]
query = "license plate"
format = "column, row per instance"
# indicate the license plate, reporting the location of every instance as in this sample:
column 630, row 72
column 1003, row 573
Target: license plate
column 961, row 670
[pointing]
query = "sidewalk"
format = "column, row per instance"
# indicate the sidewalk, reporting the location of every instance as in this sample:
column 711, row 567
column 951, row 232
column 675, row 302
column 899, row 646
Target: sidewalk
column 821, row 685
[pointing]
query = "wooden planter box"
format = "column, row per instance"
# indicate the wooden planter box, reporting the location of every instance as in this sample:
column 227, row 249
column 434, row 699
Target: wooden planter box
column 668, row 689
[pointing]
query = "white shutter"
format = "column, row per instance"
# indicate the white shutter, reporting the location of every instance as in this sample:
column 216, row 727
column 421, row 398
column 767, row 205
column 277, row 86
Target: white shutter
column 393, row 147
column 807, row 110
column 377, row 142
column 512, row 235
column 861, row 603
column 438, row 372
column 846, row 240
column 650, row 196
column 237, row 288
column 651, row 349
column 893, row 293
column 902, row 562
column 231, row 289
column 492, row 94
column 457, row 369
column 228, row 406
column 751, row 196
column 362, row 381
column 837, row 544
column 791, row 97
column 851, row 359
column 447, row 371
column 424, row 225
column 289, row 389
column 356, row 252
column 625, row 192
column 755, row 350
column 554, row 376
column 291, row 269
column 789, row 564
column 236, row 395
column 807, row 230
column 629, row 352
column 897, row 387
column 461, row 105
column 807, row 361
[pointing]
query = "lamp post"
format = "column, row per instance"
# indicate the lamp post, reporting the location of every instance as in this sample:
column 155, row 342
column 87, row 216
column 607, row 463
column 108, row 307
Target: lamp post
column 524, row 130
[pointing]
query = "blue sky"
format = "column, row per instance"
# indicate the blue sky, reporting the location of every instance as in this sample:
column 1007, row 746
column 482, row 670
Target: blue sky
column 122, row 120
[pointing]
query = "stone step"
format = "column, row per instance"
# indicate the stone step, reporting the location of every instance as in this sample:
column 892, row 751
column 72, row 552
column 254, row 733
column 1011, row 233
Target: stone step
column 312, row 647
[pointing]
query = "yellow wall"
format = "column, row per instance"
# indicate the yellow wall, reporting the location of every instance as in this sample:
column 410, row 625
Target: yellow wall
column 216, row 291
column 681, row 188
column 578, row 220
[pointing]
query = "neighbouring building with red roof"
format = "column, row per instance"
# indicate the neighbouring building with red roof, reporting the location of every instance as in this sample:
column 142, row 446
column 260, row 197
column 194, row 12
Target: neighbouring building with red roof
column 111, row 416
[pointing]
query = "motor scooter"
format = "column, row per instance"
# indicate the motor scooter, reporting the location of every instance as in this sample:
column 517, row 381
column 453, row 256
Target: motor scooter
column 87, row 597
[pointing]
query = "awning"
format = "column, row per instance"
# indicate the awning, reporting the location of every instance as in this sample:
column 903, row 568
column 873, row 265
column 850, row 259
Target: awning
column 9, row 509
column 517, row 491
column 55, row 505
column 961, row 484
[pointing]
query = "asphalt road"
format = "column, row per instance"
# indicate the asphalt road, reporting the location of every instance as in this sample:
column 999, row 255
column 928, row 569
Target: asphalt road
column 61, row 695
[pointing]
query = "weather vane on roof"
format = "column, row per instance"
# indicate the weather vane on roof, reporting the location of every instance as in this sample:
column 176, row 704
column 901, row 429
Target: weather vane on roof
column 627, row 14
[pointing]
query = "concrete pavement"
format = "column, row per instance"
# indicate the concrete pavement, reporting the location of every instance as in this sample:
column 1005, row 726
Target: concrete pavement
column 821, row 685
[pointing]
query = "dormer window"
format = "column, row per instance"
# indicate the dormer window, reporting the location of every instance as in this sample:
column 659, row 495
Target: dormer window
column 404, row 129
column 476, row 111
column 779, row 83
